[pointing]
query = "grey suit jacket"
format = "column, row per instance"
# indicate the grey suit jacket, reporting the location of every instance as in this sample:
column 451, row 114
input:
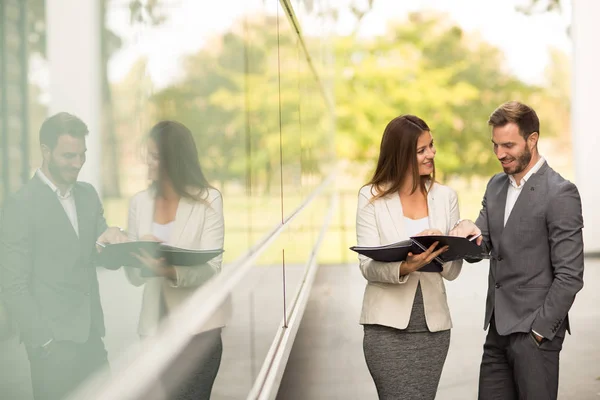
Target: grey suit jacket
column 536, row 267
column 48, row 280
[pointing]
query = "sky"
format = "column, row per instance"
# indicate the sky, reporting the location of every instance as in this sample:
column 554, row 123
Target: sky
column 525, row 40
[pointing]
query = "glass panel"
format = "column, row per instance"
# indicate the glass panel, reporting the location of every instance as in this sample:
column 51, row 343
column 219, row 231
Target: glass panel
column 236, row 84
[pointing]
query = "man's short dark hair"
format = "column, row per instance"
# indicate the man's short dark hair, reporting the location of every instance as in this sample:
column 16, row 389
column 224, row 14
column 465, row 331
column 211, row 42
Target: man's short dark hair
column 61, row 124
column 518, row 113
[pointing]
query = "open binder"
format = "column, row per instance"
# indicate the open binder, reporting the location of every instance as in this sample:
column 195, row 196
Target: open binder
column 458, row 248
column 122, row 254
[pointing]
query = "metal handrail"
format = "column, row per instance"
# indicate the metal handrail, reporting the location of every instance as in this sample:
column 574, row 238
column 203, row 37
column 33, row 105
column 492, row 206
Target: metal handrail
column 140, row 369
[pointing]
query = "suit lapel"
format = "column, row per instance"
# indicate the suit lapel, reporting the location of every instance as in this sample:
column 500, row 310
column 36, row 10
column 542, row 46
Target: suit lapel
column 431, row 214
column 146, row 215
column 527, row 197
column 84, row 215
column 394, row 207
column 499, row 209
column 182, row 216
column 54, row 213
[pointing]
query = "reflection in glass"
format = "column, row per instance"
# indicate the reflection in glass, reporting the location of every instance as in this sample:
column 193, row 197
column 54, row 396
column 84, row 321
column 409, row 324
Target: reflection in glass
column 49, row 235
column 181, row 209
column 247, row 84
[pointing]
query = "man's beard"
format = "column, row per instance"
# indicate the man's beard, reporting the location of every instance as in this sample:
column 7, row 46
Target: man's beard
column 522, row 160
column 58, row 175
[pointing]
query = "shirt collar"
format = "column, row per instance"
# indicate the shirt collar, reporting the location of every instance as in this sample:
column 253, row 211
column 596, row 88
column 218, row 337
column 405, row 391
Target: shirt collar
column 532, row 171
column 52, row 186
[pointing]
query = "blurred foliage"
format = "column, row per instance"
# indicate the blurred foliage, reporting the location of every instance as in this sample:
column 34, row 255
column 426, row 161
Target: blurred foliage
column 247, row 96
column 250, row 89
column 540, row 6
column 430, row 67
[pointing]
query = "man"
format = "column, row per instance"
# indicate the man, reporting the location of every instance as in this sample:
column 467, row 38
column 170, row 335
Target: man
column 48, row 239
column 531, row 224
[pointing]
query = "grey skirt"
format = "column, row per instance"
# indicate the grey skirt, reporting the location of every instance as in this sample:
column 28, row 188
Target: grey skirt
column 406, row 364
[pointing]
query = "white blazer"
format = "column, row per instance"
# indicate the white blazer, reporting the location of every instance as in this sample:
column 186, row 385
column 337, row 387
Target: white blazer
column 198, row 225
column 389, row 298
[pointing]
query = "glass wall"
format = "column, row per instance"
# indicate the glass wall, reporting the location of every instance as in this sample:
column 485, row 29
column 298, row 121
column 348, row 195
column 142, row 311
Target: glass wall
column 251, row 81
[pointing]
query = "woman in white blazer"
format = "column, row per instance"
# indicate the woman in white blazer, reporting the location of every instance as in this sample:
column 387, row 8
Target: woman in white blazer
column 405, row 313
column 179, row 208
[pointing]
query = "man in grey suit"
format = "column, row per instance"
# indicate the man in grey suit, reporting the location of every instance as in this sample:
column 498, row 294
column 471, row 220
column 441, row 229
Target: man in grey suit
column 49, row 284
column 531, row 225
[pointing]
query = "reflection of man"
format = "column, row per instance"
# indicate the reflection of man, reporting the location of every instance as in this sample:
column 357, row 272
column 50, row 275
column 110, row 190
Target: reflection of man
column 531, row 223
column 47, row 241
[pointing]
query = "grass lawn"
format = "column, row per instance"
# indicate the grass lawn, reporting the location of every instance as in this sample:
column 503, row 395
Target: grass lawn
column 247, row 220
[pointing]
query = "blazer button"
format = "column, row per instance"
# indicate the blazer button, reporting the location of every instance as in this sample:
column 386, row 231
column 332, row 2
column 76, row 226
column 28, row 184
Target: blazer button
column 499, row 258
column 498, row 286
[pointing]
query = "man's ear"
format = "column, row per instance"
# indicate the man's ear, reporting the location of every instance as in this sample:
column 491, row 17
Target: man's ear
column 532, row 140
column 46, row 152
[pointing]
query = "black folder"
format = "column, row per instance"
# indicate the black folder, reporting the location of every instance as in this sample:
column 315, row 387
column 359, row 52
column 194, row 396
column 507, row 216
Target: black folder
column 122, row 254
column 458, row 248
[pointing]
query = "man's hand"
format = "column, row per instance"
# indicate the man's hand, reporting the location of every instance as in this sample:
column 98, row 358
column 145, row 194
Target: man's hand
column 465, row 229
column 430, row 232
column 112, row 235
column 537, row 337
column 47, row 348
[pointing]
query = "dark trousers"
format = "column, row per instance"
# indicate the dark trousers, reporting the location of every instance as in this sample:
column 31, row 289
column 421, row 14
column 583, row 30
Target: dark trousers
column 197, row 368
column 516, row 366
column 64, row 367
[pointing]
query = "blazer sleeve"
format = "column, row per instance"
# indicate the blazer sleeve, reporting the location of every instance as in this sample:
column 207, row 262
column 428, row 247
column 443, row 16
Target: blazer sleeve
column 565, row 223
column 16, row 273
column 212, row 237
column 367, row 234
column 452, row 269
column 101, row 224
column 482, row 222
column 134, row 275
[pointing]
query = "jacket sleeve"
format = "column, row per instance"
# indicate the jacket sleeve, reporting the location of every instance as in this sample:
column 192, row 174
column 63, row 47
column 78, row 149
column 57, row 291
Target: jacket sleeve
column 16, row 273
column 482, row 223
column 452, row 269
column 101, row 224
column 133, row 274
column 212, row 237
column 367, row 234
column 565, row 223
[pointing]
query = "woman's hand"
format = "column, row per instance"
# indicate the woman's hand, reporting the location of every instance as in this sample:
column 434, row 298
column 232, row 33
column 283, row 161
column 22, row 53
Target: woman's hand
column 430, row 232
column 415, row 262
column 158, row 266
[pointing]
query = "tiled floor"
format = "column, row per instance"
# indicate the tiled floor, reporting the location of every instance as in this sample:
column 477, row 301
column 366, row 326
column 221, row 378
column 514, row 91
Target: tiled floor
column 327, row 361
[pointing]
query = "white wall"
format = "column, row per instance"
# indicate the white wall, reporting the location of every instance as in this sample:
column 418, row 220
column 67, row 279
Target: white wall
column 585, row 31
column 73, row 50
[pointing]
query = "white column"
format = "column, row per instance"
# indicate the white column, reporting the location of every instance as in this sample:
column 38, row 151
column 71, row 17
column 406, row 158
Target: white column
column 73, row 51
column 586, row 90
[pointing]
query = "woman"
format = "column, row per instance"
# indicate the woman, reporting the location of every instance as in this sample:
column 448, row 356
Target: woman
column 405, row 312
column 179, row 208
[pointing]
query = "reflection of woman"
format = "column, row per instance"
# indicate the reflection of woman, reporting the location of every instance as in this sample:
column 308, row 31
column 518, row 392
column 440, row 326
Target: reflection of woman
column 179, row 208
column 405, row 313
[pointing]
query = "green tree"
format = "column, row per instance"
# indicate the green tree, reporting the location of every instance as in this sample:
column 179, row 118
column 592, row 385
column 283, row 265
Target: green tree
column 429, row 67
column 248, row 96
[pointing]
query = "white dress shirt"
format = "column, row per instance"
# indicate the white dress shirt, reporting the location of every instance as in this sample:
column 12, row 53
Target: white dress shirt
column 514, row 189
column 67, row 200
